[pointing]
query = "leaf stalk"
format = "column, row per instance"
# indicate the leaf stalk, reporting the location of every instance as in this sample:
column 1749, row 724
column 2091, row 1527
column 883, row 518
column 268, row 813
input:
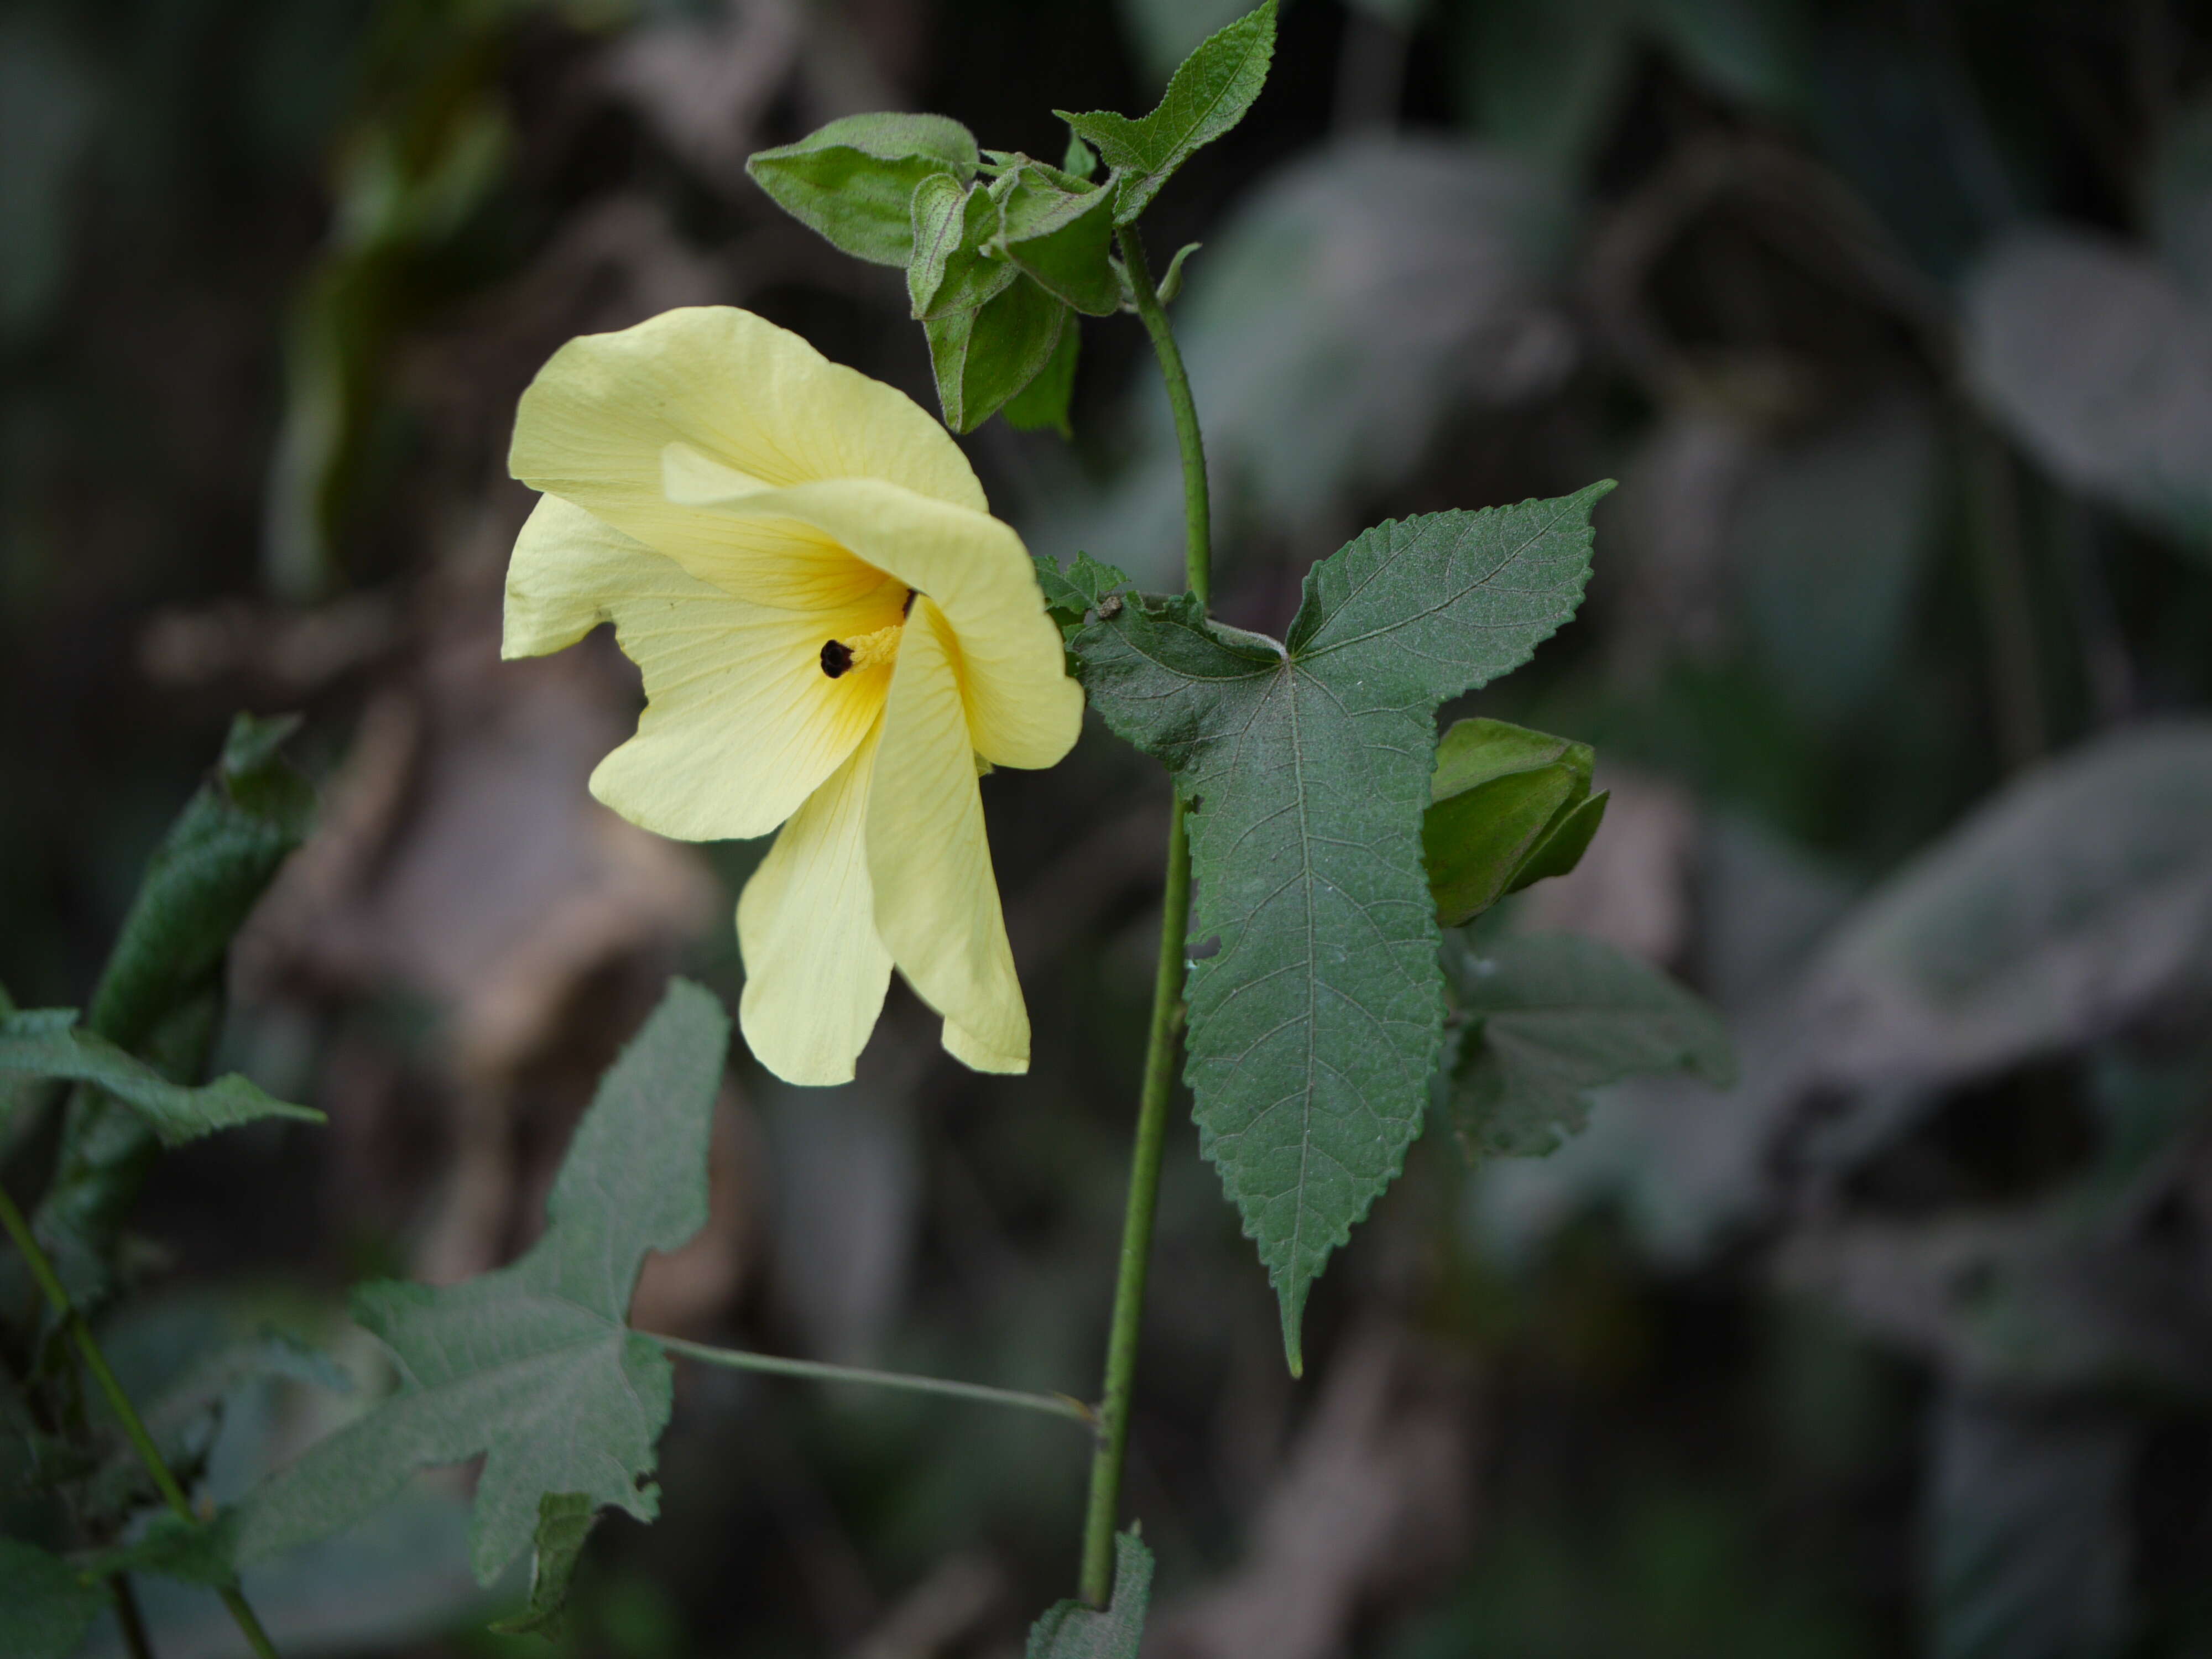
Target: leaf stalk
column 134, row 1426
column 739, row 1359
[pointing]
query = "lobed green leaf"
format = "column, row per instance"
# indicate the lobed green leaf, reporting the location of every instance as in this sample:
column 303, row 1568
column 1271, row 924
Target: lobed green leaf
column 533, row 1365
column 1316, row 1024
column 1072, row 594
column 1207, row 97
column 854, row 181
column 1069, row 1630
column 1550, row 1017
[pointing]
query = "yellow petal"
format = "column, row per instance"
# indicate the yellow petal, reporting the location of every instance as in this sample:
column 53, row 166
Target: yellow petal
column 740, row 725
column 815, row 971
column 937, row 901
column 749, row 399
column 1023, row 710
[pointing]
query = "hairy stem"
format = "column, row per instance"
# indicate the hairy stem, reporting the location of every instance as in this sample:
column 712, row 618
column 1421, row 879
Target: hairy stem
column 1096, row 1584
column 737, row 1360
column 134, row 1426
column 1197, row 517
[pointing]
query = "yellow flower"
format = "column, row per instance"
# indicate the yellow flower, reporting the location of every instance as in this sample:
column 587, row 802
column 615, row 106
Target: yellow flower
column 835, row 635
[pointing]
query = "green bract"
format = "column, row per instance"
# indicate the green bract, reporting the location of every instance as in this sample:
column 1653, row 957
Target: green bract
column 854, row 180
column 1511, row 806
column 1207, row 97
column 1317, row 1020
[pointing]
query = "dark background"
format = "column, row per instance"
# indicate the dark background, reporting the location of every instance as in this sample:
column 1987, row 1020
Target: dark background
column 1891, row 317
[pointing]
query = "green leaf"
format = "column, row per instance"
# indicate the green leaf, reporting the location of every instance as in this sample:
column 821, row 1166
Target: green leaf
column 43, row 1042
column 533, row 1365
column 161, row 992
column 938, row 212
column 2074, row 903
column 1081, row 162
column 962, row 267
column 1072, row 594
column 47, row 1606
column 1042, row 403
column 565, row 1519
column 1069, row 1630
column 1550, row 1017
column 1502, row 794
column 854, row 181
column 1316, row 1027
column 1063, row 238
column 1205, row 98
column 2124, row 414
column 201, row 882
column 984, row 358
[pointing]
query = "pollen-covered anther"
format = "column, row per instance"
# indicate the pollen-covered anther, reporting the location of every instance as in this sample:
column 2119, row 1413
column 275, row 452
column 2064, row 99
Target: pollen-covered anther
column 874, row 650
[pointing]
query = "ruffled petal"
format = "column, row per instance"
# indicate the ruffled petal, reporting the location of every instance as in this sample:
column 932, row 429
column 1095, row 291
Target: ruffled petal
column 937, row 900
column 751, row 400
column 740, row 726
column 1022, row 708
column 815, row 971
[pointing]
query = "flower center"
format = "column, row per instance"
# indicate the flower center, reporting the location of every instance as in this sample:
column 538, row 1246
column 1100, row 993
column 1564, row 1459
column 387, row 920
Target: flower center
column 841, row 657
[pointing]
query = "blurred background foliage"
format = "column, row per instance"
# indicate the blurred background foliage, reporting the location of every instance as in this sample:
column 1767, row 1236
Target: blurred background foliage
column 1895, row 319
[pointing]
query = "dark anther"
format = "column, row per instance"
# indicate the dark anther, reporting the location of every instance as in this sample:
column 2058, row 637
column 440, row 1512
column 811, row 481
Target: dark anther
column 836, row 657
column 907, row 610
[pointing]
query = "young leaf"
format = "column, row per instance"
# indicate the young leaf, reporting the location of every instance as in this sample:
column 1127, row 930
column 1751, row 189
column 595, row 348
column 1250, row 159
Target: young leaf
column 1315, row 1028
column 161, row 991
column 854, row 180
column 1552, row 1015
column 1207, row 97
column 984, row 358
column 532, row 1365
column 1081, row 162
column 1063, row 238
column 46, row 1607
column 1069, row 1630
column 1511, row 806
column 962, row 267
column 1072, row 594
column 565, row 1519
column 936, row 212
column 45, row 1042
column 1042, row 403
column 207, row 874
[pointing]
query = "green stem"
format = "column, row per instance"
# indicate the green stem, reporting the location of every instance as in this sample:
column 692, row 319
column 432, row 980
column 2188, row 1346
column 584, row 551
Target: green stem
column 1106, row 1463
column 129, row 1619
column 1097, row 1580
column 58, row 1297
column 1197, row 519
column 737, row 1360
